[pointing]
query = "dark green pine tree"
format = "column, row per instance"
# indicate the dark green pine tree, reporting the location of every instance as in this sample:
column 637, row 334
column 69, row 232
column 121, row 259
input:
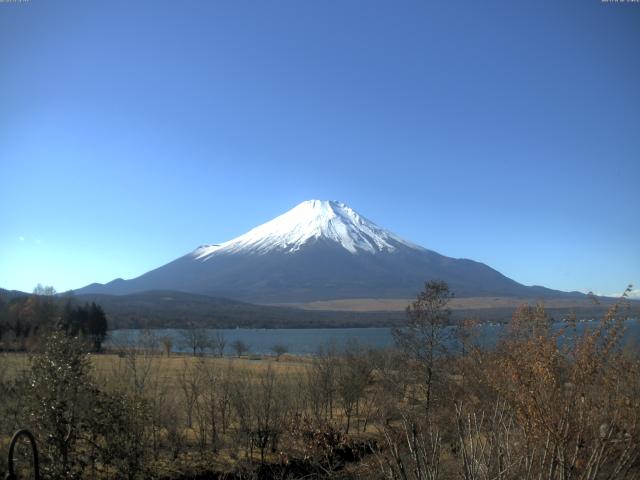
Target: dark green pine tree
column 96, row 326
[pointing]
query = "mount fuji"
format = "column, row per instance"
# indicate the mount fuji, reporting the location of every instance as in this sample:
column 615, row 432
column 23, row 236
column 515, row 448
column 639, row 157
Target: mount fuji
column 319, row 250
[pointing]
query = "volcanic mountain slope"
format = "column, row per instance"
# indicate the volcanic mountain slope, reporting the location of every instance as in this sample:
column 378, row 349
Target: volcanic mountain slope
column 319, row 250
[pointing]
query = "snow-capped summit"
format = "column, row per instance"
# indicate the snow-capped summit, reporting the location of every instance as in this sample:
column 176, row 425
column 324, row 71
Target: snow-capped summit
column 318, row 250
column 309, row 221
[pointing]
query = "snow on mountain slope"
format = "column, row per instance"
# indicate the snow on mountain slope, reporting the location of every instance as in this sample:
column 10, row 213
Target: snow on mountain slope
column 318, row 250
column 311, row 220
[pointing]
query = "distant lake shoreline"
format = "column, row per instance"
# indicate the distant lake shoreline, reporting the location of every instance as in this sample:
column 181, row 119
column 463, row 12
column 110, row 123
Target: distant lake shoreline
column 307, row 341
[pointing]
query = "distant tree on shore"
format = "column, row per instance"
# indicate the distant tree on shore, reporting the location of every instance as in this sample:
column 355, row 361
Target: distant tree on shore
column 87, row 320
column 167, row 345
column 279, row 349
column 218, row 344
column 197, row 340
column 96, row 326
column 240, row 347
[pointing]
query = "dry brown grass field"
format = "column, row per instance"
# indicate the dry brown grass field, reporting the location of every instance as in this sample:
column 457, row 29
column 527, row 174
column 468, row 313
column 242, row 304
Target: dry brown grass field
column 176, row 389
column 530, row 408
column 15, row 362
column 467, row 303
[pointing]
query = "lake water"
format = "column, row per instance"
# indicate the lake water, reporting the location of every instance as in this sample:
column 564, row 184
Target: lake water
column 301, row 341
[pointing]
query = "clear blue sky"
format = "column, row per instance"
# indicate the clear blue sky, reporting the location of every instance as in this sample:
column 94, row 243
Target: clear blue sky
column 133, row 131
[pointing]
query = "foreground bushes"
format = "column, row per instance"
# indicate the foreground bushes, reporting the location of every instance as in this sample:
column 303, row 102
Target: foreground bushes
column 546, row 403
column 82, row 431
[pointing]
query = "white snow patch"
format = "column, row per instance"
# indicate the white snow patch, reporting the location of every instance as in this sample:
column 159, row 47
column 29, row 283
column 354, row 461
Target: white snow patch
column 311, row 220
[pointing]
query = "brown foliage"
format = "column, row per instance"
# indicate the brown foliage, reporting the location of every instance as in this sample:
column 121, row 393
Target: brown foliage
column 571, row 392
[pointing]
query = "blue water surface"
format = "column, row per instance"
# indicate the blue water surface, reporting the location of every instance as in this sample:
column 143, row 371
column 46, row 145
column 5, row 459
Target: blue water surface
column 302, row 341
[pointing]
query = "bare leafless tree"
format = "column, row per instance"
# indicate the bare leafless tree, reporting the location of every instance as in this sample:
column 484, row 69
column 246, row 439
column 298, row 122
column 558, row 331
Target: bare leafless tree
column 197, row 340
column 240, row 347
column 189, row 382
column 218, row 344
column 422, row 337
column 279, row 349
column 410, row 453
column 167, row 345
column 353, row 377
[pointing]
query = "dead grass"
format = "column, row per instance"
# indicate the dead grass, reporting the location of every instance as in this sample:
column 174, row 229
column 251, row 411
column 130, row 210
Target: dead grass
column 175, row 363
column 468, row 303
